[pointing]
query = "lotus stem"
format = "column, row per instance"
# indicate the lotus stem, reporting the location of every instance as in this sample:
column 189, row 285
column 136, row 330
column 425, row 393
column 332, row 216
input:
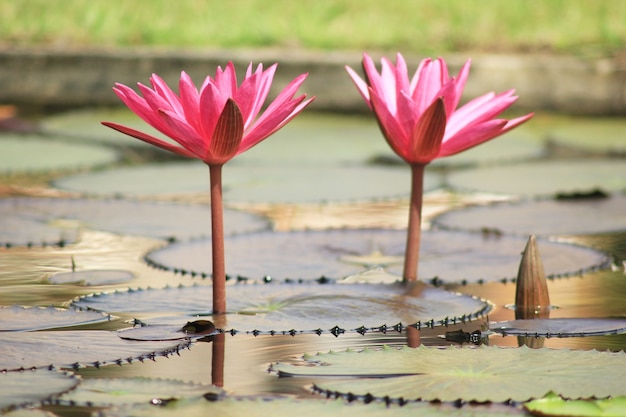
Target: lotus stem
column 532, row 299
column 217, row 360
column 411, row 254
column 413, row 337
column 217, row 240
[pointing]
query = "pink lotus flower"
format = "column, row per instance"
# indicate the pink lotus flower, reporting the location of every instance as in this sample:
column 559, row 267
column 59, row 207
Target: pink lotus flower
column 213, row 124
column 419, row 118
column 217, row 122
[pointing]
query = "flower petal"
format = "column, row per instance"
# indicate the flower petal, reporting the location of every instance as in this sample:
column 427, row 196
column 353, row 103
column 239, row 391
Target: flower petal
column 428, row 133
column 149, row 139
column 227, row 135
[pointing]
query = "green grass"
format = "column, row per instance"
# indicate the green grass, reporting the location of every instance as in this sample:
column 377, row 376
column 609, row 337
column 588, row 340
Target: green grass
column 419, row 26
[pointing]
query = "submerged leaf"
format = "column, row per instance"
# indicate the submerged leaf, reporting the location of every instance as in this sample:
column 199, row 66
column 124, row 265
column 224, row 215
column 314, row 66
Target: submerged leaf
column 481, row 374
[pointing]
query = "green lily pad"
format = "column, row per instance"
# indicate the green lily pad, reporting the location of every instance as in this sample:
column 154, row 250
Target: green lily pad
column 18, row 318
column 284, row 407
column 449, row 256
column 543, row 178
column 543, row 217
column 74, row 349
column 482, row 374
column 306, row 306
column 92, row 277
column 37, row 154
column 591, row 134
column 106, row 392
column 30, row 221
column 564, row 327
column 554, row 405
column 27, row 388
column 252, row 183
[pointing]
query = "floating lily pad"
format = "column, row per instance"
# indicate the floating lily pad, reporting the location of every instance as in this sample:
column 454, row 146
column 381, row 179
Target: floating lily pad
column 252, row 183
column 543, row 178
column 105, row 392
column 450, row 256
column 597, row 135
column 76, row 348
column 566, row 327
column 306, row 306
column 92, row 277
column 481, row 374
column 18, row 318
column 554, row 405
column 544, row 217
column 33, row 387
column 25, row 221
column 286, row 407
column 36, row 154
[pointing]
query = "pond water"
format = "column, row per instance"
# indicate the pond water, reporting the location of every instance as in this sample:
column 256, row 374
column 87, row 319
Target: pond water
column 113, row 206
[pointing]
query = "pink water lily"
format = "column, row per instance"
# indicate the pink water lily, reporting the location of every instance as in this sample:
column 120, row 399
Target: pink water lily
column 216, row 122
column 213, row 124
column 419, row 118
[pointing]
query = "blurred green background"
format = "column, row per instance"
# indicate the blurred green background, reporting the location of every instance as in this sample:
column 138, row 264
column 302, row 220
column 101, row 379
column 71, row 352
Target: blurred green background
column 582, row 27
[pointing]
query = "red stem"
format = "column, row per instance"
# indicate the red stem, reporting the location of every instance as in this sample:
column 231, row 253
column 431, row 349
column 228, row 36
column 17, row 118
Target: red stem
column 217, row 240
column 411, row 255
column 217, row 360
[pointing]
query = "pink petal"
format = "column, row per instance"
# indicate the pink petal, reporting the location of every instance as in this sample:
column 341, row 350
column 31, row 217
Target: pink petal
column 246, row 95
column 263, row 90
column 460, row 82
column 392, row 131
column 479, row 110
column 471, row 136
column 166, row 92
column 141, row 107
column 428, row 84
column 212, row 102
column 150, row 139
column 283, row 97
column 190, row 101
column 183, row 133
column 227, row 135
column 428, row 134
column 360, row 85
column 271, row 122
